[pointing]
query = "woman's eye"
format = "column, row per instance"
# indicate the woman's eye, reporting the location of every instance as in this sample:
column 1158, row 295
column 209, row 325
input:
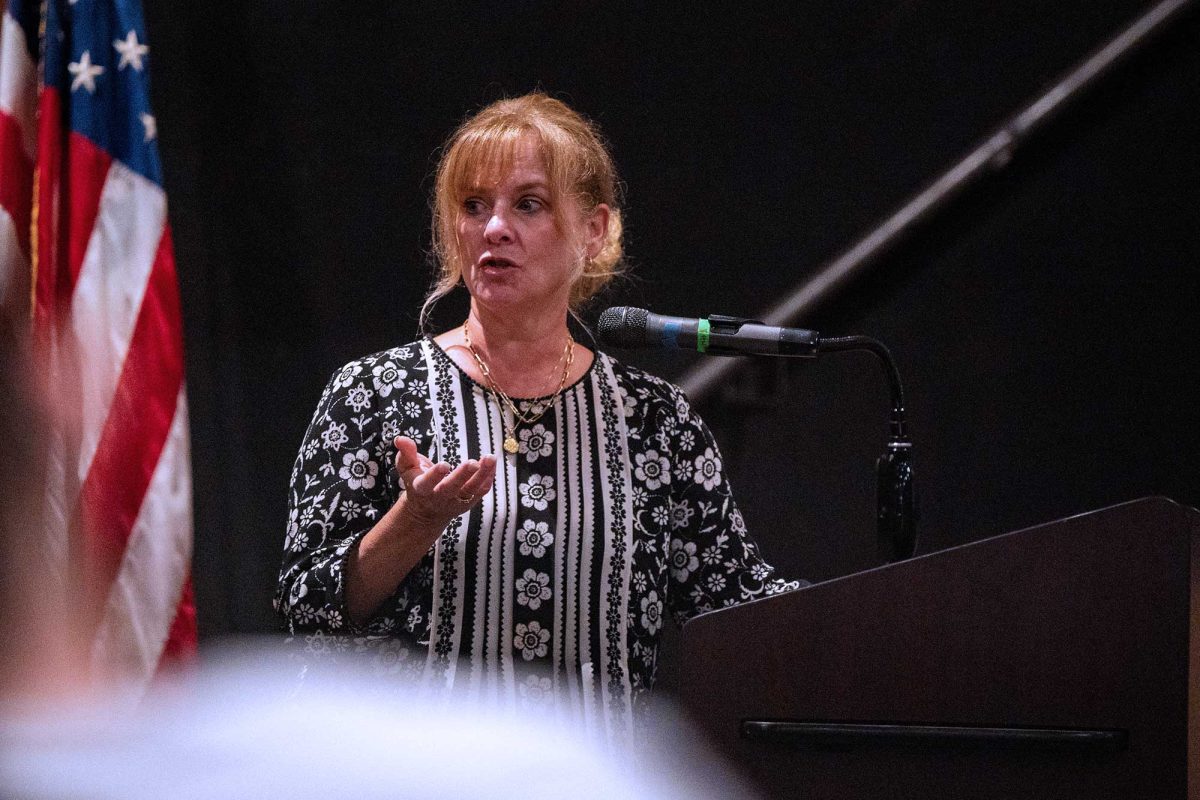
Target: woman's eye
column 530, row 204
column 473, row 206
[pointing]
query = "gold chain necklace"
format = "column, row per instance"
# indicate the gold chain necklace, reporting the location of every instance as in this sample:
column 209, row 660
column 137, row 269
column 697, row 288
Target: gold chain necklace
column 537, row 410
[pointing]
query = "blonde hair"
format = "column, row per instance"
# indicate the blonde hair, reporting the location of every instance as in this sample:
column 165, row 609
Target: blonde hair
column 576, row 160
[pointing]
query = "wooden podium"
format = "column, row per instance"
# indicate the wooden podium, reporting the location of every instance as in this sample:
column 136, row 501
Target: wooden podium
column 1060, row 661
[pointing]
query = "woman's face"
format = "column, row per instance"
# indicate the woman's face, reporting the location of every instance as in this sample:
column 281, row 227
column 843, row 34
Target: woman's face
column 514, row 255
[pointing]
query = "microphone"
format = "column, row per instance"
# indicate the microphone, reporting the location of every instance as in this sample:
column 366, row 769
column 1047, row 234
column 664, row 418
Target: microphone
column 625, row 326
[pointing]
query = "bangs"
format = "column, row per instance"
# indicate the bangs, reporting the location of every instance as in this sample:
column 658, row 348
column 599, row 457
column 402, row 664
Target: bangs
column 484, row 156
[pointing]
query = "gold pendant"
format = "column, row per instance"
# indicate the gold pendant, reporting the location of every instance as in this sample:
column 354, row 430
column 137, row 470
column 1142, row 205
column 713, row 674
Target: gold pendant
column 510, row 445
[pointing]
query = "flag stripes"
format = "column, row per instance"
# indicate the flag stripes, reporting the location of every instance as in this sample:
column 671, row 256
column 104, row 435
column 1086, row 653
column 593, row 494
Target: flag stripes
column 112, row 282
column 134, row 429
column 107, row 327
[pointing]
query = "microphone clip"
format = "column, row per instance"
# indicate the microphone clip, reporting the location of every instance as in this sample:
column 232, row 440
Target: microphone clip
column 722, row 326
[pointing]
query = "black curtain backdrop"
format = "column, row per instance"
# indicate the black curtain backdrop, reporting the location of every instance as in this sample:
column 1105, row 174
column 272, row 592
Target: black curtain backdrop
column 1044, row 325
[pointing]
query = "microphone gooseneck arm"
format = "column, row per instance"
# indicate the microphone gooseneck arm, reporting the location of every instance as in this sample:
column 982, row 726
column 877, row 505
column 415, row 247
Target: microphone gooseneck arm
column 834, row 344
column 895, row 494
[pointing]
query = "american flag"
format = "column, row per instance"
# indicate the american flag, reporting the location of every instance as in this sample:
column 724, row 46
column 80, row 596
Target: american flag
column 86, row 260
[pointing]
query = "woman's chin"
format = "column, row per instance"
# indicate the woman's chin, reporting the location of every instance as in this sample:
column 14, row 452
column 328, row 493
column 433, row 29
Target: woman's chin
column 500, row 293
column 510, row 295
column 505, row 290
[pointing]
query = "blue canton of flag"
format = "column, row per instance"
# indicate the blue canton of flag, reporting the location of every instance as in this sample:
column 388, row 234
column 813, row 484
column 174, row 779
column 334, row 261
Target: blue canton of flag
column 99, row 58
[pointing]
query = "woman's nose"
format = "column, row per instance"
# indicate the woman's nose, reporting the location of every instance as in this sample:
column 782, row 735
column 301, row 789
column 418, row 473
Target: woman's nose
column 497, row 228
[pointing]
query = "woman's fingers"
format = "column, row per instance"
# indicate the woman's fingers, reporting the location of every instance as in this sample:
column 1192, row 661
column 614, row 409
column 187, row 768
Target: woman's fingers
column 407, row 457
column 451, row 486
column 480, row 483
column 427, row 480
column 470, row 481
column 409, row 461
column 437, row 487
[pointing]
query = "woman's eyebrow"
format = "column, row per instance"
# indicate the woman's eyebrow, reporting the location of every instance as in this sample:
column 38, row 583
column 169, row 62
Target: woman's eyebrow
column 523, row 187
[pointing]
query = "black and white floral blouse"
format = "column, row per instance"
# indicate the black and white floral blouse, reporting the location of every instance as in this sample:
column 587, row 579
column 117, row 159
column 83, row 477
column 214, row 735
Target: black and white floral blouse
column 554, row 588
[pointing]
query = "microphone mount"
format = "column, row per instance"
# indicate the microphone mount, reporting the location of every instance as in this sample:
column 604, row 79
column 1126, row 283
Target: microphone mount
column 718, row 333
column 896, row 510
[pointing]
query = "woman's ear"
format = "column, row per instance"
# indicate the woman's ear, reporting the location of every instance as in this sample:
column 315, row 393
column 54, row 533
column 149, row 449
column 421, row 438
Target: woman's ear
column 596, row 226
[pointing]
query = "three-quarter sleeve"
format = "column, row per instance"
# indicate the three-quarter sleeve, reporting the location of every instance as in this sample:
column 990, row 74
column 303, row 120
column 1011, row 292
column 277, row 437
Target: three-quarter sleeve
column 341, row 484
column 711, row 558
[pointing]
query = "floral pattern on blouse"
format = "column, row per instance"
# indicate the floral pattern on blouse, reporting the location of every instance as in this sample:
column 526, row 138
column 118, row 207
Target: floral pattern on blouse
column 613, row 515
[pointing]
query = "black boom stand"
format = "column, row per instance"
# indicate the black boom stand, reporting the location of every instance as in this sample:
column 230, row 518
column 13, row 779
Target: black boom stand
column 895, row 494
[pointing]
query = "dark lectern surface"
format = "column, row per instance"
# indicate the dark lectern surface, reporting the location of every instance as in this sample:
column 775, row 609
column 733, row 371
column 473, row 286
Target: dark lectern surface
column 1088, row 624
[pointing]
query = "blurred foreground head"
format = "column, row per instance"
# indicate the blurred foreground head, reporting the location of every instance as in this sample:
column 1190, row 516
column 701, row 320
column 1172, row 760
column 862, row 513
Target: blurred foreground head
column 39, row 659
column 245, row 727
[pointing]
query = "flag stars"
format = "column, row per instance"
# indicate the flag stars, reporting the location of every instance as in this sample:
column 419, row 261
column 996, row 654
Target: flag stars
column 151, row 126
column 85, row 72
column 131, row 50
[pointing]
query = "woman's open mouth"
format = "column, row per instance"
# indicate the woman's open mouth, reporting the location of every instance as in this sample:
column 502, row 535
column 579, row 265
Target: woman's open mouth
column 495, row 266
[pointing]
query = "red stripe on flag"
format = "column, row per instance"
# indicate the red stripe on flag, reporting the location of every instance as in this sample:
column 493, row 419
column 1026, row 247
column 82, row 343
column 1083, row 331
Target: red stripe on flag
column 181, row 642
column 62, row 242
column 46, row 310
column 85, row 182
column 139, row 420
column 16, row 179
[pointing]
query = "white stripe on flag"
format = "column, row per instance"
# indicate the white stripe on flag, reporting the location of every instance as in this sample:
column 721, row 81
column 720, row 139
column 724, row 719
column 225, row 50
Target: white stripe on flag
column 144, row 598
column 18, row 82
column 108, row 296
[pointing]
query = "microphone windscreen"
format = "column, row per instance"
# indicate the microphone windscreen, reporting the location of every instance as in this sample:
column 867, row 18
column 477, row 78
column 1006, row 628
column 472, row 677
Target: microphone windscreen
column 623, row 326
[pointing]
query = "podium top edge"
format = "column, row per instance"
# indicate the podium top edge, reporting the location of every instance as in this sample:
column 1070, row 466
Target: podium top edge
column 1157, row 504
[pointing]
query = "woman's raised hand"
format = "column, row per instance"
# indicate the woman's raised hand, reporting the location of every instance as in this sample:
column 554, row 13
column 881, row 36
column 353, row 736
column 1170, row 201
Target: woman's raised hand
column 434, row 494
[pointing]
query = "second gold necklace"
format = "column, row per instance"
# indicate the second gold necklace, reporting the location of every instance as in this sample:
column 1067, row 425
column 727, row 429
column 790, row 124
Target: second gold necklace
column 511, row 446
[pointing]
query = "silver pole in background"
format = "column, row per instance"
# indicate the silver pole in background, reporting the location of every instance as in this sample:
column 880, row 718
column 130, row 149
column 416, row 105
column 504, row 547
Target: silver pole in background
column 993, row 154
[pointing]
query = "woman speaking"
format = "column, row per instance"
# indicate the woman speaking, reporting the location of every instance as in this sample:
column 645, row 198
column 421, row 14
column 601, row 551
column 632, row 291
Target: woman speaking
column 498, row 509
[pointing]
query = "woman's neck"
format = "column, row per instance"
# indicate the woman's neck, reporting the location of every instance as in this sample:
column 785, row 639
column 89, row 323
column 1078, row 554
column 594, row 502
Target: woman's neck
column 524, row 354
column 518, row 340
